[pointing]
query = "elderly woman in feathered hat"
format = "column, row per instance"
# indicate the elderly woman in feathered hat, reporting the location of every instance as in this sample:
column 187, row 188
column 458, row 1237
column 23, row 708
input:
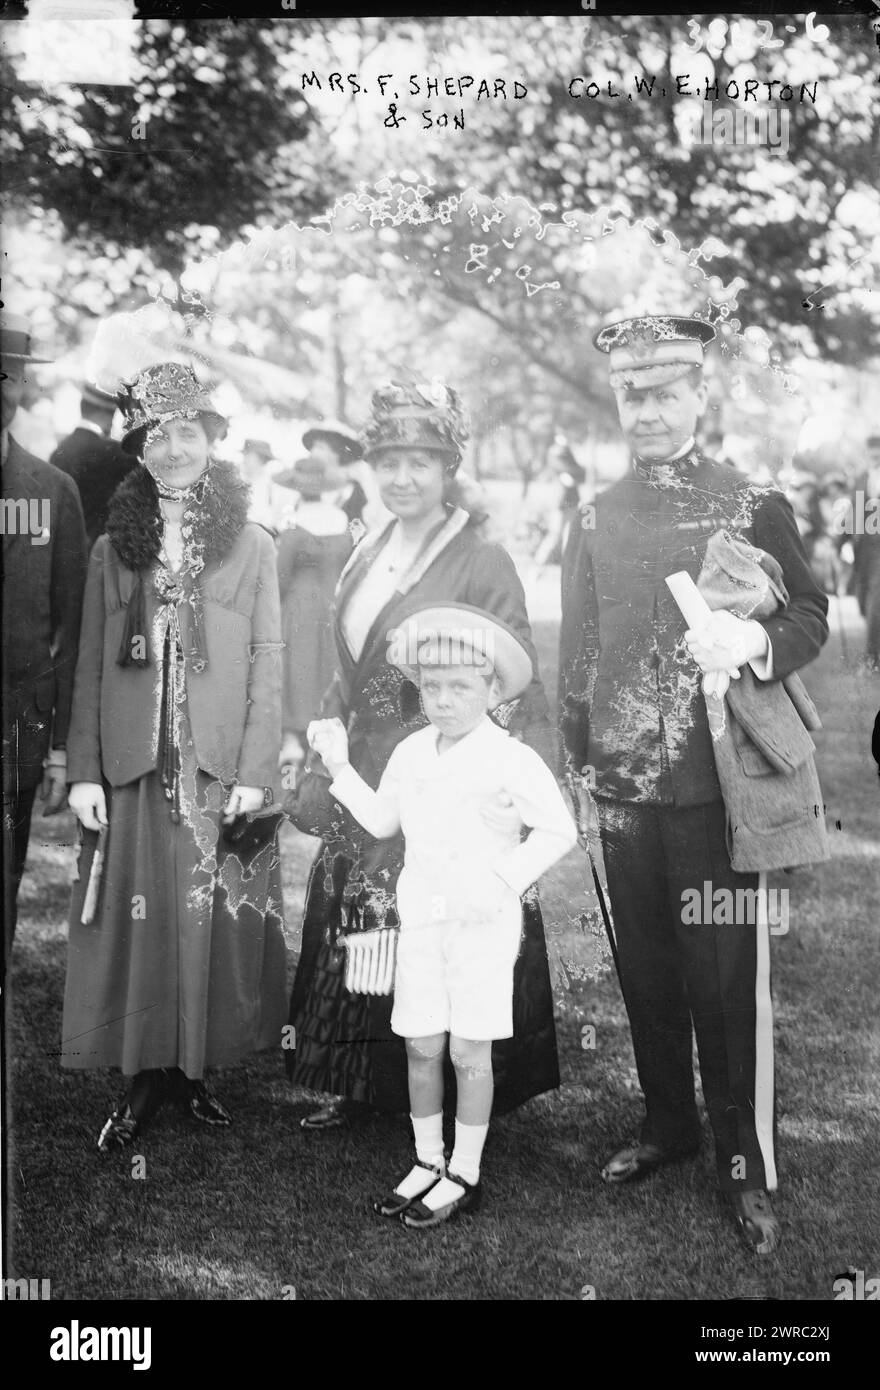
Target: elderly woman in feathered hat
column 177, row 958
column 428, row 551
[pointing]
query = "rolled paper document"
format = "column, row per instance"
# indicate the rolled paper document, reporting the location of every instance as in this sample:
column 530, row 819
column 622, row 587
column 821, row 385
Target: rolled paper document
column 692, row 606
column 90, row 902
column 696, row 613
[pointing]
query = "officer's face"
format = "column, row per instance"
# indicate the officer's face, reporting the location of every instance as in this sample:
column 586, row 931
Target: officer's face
column 177, row 452
column 659, row 420
column 12, row 387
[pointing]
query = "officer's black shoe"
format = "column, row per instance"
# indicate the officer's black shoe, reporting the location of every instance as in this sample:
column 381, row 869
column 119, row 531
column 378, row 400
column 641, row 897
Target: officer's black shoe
column 754, row 1214
column 638, row 1160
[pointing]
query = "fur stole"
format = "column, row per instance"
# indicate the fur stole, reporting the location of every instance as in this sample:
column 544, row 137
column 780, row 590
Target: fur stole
column 212, row 521
column 217, row 515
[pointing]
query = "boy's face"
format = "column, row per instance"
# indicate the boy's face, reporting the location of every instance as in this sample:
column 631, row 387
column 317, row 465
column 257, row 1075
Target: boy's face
column 455, row 697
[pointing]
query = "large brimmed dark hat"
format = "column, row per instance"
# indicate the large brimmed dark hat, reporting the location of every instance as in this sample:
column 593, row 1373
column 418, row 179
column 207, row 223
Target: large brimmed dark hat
column 307, row 473
column 168, row 391
column 654, row 350
column 342, row 436
column 418, row 414
column 15, row 339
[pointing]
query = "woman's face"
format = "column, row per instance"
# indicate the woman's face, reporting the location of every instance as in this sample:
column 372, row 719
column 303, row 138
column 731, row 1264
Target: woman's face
column 326, row 452
column 176, row 453
column 412, row 482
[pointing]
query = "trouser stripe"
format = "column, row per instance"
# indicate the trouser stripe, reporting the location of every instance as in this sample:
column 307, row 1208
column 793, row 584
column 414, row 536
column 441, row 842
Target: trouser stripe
column 764, row 1039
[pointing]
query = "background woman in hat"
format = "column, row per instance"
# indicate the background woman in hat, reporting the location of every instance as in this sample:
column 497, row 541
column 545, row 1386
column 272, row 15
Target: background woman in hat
column 311, row 554
column 174, row 741
column 338, row 448
column 429, row 551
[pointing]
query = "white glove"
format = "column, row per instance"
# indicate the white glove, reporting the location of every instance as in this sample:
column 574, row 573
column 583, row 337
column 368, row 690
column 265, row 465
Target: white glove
column 243, row 801
column 329, row 740
column 89, row 805
column 725, row 643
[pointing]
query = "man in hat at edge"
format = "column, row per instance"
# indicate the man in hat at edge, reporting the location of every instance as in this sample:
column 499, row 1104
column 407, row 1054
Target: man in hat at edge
column 95, row 462
column 632, row 717
column 44, row 565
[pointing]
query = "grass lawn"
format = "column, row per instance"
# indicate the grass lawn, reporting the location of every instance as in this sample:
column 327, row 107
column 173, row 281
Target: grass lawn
column 265, row 1208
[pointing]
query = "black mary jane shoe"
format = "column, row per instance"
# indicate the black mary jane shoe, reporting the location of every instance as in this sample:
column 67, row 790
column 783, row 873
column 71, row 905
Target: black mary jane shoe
column 122, row 1128
column 419, row 1217
column 393, row 1203
column 638, row 1160
column 206, row 1108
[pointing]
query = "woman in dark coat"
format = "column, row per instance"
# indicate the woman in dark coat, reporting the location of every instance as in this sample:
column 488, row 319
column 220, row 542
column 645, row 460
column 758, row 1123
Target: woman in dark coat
column 176, row 957
column 429, row 551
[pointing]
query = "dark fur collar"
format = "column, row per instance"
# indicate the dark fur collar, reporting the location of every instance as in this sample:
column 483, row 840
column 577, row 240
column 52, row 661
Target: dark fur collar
column 134, row 524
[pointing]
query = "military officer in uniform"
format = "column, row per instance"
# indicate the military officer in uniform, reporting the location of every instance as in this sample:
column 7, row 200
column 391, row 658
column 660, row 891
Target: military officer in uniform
column 632, row 713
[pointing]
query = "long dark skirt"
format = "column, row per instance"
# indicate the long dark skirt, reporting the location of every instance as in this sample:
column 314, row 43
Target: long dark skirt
column 344, row 1042
column 184, row 962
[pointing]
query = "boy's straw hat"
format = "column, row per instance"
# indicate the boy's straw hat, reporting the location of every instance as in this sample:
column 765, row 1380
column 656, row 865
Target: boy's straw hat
column 456, row 633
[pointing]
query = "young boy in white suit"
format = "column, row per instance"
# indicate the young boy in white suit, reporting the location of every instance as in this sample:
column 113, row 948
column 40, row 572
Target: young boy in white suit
column 458, row 895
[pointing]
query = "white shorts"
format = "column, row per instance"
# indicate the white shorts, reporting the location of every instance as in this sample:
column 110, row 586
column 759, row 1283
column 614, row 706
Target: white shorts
column 457, row 977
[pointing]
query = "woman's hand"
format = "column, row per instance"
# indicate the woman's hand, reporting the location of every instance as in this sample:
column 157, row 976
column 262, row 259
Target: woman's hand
column 501, row 814
column 243, row 801
column 89, row 805
column 329, row 740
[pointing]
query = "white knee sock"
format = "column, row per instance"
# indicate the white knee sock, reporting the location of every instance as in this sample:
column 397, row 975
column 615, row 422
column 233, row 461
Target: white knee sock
column 429, row 1137
column 429, row 1149
column 465, row 1160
